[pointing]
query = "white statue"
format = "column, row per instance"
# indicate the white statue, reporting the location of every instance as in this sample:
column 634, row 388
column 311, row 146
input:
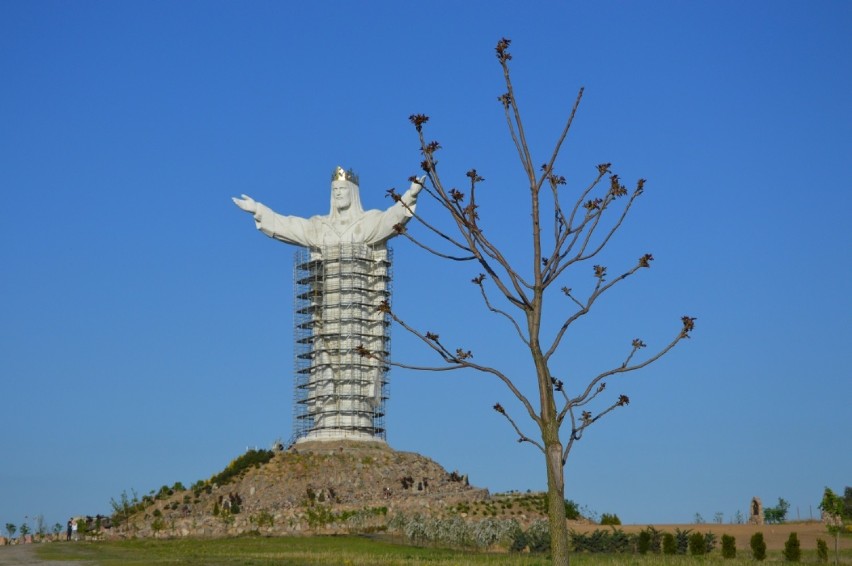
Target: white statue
column 344, row 279
column 347, row 222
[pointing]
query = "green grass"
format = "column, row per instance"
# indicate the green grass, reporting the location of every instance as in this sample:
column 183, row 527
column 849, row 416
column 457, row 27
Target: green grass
column 349, row 550
column 257, row 551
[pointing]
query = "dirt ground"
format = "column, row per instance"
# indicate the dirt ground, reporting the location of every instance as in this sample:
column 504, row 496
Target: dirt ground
column 774, row 535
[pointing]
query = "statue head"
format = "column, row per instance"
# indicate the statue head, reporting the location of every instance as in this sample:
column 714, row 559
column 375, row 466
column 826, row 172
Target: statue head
column 344, row 192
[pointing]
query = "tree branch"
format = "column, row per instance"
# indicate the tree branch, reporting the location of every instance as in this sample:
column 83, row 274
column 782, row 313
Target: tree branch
column 598, row 291
column 688, row 325
column 587, row 420
column 562, row 137
column 521, row 436
column 478, row 281
column 462, row 360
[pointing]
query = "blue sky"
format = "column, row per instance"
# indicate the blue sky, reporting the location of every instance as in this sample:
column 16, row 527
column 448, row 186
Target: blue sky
column 146, row 326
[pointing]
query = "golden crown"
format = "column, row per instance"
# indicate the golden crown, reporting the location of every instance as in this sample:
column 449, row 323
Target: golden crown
column 340, row 174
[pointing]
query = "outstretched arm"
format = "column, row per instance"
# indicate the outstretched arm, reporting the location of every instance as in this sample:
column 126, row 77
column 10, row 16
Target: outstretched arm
column 409, row 199
column 287, row 229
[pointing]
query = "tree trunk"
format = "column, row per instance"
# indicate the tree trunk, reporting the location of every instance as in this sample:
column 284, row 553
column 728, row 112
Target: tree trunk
column 556, row 504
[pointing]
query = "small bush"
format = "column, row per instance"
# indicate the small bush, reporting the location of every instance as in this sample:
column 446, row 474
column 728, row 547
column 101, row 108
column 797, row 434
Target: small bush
column 682, row 540
column 602, row 541
column 538, row 536
column 822, row 550
column 643, row 542
column 669, row 544
column 758, row 546
column 696, row 544
column 655, row 538
column 709, row 542
column 610, row 519
column 263, row 519
column 729, row 546
column 320, row 515
column 792, row 549
column 251, row 459
column 518, row 540
column 572, row 510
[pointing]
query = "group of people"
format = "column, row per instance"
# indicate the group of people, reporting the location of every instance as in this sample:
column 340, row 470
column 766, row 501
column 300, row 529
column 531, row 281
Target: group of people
column 71, row 530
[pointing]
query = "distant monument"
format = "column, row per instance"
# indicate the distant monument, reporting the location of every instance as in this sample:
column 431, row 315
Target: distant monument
column 342, row 275
column 755, row 514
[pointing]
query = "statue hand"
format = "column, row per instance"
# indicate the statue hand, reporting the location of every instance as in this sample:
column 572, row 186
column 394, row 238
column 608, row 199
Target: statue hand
column 246, row 203
column 417, row 185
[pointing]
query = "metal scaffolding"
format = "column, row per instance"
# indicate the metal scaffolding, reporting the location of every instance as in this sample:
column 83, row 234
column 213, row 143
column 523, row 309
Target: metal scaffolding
column 340, row 394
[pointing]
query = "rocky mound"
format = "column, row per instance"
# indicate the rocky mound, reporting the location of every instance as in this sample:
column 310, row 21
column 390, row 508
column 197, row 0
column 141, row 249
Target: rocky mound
column 316, row 487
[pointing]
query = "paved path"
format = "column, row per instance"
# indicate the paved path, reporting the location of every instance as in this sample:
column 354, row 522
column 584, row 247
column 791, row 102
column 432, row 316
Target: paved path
column 25, row 555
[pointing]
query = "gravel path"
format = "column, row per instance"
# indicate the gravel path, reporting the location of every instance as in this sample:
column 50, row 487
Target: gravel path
column 25, row 555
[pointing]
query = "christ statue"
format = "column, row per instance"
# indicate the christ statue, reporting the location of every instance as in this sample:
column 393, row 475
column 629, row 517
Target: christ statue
column 342, row 277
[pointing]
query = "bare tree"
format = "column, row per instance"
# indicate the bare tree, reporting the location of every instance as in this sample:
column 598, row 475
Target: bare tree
column 569, row 228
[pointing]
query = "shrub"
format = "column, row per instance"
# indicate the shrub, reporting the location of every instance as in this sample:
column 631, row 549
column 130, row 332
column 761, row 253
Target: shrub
column 602, row 541
column 489, row 532
column 607, row 519
column 669, row 544
column 709, row 542
column 758, row 546
column 572, row 510
column 251, row 459
column 643, row 542
column 696, row 544
column 822, row 550
column 792, row 549
column 656, row 539
column 682, row 540
column 729, row 546
column 320, row 515
column 263, row 519
column 518, row 540
column 538, row 536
